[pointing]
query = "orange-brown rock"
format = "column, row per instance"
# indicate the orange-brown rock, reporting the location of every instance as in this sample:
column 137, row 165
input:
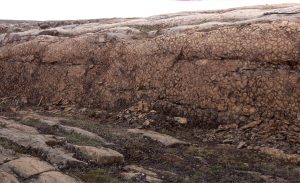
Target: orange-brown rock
column 213, row 66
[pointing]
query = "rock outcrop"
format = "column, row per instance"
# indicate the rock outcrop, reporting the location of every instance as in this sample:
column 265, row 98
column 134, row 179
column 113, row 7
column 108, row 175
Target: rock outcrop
column 213, row 66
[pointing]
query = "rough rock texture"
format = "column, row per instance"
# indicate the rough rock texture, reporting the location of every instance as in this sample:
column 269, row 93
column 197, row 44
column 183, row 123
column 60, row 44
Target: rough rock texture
column 57, row 177
column 41, row 143
column 214, row 66
column 101, row 155
column 166, row 140
column 26, row 167
column 7, row 178
column 55, row 122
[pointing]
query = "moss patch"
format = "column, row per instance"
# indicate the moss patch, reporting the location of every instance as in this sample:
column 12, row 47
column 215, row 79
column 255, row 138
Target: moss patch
column 73, row 138
column 98, row 175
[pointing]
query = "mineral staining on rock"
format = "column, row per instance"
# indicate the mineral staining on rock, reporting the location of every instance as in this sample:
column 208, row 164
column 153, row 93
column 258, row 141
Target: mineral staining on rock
column 188, row 97
column 235, row 68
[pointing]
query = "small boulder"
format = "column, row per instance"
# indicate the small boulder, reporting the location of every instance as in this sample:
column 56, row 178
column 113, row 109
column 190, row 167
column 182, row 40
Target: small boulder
column 181, row 120
column 101, row 155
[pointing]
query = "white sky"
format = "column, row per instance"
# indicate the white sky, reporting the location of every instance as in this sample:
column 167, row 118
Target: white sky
column 89, row 9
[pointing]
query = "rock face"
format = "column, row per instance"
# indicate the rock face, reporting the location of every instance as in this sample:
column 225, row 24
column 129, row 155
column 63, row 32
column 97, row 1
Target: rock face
column 215, row 66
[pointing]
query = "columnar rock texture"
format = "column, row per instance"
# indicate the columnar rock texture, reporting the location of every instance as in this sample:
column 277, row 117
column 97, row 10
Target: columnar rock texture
column 213, row 66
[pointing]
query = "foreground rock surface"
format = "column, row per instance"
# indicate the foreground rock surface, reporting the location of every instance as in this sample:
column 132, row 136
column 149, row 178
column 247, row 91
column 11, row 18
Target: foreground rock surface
column 38, row 142
column 38, row 157
column 26, row 167
column 7, row 178
column 78, row 98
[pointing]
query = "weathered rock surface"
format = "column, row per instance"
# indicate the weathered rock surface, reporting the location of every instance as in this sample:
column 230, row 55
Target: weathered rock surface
column 134, row 172
column 57, row 177
column 38, row 142
column 7, row 178
column 51, row 121
column 70, row 129
column 6, row 155
column 294, row 158
column 26, row 167
column 235, row 69
column 215, row 65
column 166, row 140
column 101, row 155
column 13, row 125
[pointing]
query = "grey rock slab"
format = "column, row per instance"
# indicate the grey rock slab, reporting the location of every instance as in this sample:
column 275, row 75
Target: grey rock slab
column 51, row 121
column 101, row 155
column 27, row 166
column 166, row 140
column 7, row 178
column 170, row 20
column 12, row 124
column 70, row 129
column 55, row 177
column 38, row 142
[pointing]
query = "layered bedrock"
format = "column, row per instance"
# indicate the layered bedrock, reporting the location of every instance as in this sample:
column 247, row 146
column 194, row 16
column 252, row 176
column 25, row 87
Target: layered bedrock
column 233, row 68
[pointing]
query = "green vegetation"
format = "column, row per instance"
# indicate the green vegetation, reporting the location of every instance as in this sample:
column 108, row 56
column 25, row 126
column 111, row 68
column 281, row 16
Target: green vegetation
column 226, row 160
column 98, row 175
column 73, row 138
column 3, row 107
column 79, row 139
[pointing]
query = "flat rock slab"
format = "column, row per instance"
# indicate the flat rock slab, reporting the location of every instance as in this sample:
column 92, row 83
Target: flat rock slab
column 166, row 140
column 39, row 142
column 7, row 178
column 27, row 166
column 55, row 177
column 70, row 129
column 101, row 155
column 17, row 126
column 51, row 121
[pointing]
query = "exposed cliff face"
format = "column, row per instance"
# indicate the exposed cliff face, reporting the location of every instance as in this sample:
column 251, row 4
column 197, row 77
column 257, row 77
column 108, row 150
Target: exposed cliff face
column 239, row 64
